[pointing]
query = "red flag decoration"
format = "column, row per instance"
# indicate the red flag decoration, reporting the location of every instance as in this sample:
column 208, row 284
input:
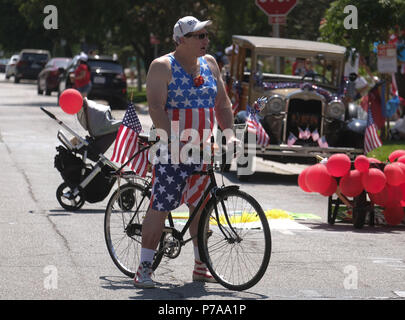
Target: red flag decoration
column 254, row 126
column 371, row 138
column 127, row 143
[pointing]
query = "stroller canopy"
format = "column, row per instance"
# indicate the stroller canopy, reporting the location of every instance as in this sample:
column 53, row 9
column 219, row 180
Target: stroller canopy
column 97, row 118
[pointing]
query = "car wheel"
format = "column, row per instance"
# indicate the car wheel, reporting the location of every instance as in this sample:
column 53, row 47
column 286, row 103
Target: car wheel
column 16, row 79
column 7, row 77
column 47, row 91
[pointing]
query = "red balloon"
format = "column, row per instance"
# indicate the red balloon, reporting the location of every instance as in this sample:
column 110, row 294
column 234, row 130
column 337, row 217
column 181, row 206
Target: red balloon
column 361, row 163
column 71, row 101
column 394, row 173
column 390, row 196
column 318, row 178
column 331, row 189
column 301, row 180
column 395, row 155
column 401, row 159
column 338, row 164
column 393, row 215
column 373, row 160
column 350, row 185
column 374, row 180
column 402, row 186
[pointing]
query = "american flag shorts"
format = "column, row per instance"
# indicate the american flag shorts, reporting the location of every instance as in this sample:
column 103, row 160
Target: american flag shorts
column 175, row 184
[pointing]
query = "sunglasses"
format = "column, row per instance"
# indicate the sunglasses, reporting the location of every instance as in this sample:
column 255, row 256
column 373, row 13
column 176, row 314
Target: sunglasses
column 200, row 36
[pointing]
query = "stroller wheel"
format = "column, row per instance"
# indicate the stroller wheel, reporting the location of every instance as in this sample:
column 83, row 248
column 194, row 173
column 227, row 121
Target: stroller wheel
column 67, row 200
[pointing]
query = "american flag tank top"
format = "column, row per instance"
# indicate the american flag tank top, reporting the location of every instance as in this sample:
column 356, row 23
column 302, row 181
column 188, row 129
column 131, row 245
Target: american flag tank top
column 192, row 107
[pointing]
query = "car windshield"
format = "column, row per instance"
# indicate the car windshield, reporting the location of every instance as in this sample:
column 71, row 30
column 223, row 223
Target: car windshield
column 60, row 63
column 105, row 65
column 318, row 69
column 36, row 57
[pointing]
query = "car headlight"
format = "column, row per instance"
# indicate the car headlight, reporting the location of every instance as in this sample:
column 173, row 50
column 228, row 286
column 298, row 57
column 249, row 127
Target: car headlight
column 275, row 104
column 335, row 109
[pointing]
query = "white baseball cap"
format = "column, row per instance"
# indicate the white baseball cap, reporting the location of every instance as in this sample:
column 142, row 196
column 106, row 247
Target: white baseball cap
column 186, row 25
column 83, row 56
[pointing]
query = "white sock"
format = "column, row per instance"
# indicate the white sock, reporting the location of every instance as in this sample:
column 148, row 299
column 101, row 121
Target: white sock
column 196, row 253
column 147, row 255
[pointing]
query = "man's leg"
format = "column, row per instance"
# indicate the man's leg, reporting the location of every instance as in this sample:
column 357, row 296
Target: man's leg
column 152, row 227
column 200, row 272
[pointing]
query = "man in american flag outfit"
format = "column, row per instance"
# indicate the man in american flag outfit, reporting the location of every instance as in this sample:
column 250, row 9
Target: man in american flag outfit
column 184, row 90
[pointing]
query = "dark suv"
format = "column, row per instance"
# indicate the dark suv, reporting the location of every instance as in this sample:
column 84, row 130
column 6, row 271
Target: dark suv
column 30, row 64
column 107, row 77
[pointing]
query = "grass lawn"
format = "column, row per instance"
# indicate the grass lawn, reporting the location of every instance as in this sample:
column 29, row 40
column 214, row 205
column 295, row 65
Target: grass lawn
column 137, row 96
column 385, row 150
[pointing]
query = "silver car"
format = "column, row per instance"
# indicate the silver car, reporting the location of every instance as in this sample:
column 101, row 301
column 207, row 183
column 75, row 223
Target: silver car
column 10, row 67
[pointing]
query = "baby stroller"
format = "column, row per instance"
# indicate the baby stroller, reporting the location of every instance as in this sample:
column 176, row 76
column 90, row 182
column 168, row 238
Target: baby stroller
column 83, row 180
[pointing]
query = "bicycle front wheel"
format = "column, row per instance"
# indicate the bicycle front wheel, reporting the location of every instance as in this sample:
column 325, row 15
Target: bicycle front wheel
column 123, row 219
column 234, row 239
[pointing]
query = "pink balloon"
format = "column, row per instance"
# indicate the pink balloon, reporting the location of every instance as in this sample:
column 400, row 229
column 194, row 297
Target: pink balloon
column 390, row 196
column 395, row 155
column 318, row 178
column 331, row 189
column 71, row 101
column 350, row 184
column 361, row 163
column 394, row 173
column 401, row 159
column 393, row 215
column 374, row 180
column 373, row 160
column 301, row 180
column 338, row 164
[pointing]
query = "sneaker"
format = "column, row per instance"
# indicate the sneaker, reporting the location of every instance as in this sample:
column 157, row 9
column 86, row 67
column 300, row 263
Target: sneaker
column 201, row 273
column 143, row 276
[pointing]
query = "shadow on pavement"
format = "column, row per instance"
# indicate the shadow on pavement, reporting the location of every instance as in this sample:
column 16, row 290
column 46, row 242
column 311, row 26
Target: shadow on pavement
column 348, row 227
column 267, row 178
column 177, row 291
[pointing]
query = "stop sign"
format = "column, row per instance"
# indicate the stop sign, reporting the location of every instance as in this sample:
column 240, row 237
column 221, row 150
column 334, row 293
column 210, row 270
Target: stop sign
column 276, row 7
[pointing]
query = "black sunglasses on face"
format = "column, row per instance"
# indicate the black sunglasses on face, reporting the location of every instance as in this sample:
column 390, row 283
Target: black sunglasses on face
column 200, row 36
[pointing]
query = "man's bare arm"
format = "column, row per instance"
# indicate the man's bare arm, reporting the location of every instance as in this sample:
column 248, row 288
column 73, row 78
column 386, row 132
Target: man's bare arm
column 157, row 80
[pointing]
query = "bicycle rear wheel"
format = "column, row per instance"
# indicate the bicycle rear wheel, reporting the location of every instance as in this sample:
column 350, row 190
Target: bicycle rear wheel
column 123, row 219
column 234, row 239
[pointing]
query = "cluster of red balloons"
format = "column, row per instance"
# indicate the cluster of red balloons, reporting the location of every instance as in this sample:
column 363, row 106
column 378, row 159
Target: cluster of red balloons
column 71, row 101
column 384, row 183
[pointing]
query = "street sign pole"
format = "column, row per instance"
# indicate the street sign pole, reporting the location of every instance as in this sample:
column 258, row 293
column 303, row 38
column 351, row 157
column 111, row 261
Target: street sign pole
column 277, row 11
column 276, row 34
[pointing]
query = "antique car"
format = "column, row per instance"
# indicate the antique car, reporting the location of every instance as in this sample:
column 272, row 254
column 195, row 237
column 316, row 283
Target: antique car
column 306, row 114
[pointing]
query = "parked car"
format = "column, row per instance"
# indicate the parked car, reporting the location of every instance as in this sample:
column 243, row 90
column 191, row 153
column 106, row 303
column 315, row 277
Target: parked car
column 302, row 83
column 108, row 80
column 48, row 78
column 30, row 64
column 3, row 63
column 10, row 67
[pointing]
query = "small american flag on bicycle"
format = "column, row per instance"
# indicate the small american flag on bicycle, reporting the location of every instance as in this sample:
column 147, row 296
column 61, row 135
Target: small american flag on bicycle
column 254, row 126
column 127, row 143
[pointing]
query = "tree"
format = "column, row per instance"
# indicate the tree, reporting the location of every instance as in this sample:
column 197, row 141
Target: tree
column 16, row 32
column 140, row 19
column 375, row 20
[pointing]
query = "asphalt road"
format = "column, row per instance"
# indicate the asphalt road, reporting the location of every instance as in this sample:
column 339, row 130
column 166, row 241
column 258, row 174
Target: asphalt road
column 49, row 253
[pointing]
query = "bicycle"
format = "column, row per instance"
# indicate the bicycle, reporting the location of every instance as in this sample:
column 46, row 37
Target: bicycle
column 234, row 238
